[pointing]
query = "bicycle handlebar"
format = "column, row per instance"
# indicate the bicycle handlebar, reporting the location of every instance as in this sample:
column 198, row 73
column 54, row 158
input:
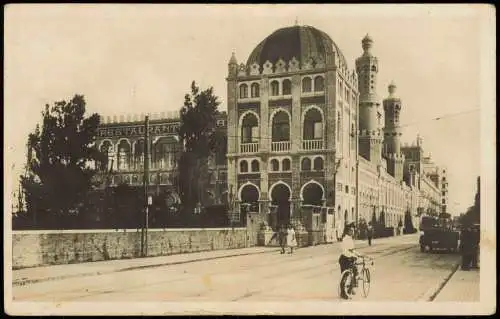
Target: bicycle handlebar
column 365, row 259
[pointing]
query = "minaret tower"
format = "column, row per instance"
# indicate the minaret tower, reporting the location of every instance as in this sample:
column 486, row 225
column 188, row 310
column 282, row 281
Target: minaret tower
column 232, row 130
column 392, row 133
column 370, row 136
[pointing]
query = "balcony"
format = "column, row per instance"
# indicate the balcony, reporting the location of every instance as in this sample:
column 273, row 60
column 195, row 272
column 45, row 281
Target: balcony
column 312, row 145
column 283, row 146
column 249, row 147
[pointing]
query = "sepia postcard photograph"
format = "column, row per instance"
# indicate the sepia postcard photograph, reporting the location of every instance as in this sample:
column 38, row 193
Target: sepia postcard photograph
column 262, row 159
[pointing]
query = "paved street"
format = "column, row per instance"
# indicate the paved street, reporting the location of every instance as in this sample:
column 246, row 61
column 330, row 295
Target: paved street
column 401, row 273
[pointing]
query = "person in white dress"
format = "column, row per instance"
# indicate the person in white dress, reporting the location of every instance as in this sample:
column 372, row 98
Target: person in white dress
column 291, row 241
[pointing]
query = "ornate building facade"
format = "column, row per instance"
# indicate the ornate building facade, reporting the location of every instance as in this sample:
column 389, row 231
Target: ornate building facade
column 306, row 142
column 122, row 139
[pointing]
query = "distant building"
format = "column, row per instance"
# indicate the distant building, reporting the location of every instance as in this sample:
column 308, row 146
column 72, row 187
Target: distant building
column 122, row 139
column 305, row 137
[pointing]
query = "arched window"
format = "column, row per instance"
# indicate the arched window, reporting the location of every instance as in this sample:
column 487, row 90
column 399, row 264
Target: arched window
column 275, row 88
column 255, row 165
column 123, row 155
column 250, row 129
column 163, row 156
column 275, row 165
column 319, row 84
column 106, row 149
column 318, row 164
column 139, row 154
column 255, row 90
column 287, row 87
column 374, row 68
column 243, row 166
column 285, row 165
column 280, row 127
column 306, row 164
column 306, row 84
column 313, row 125
column 243, row 91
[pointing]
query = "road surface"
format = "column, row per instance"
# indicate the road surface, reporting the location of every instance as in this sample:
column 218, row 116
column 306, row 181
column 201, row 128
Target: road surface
column 401, row 273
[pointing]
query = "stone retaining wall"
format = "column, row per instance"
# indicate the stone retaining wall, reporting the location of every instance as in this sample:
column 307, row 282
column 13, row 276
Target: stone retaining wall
column 40, row 248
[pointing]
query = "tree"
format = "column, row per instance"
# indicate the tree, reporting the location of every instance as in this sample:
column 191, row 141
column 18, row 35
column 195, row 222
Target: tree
column 199, row 136
column 473, row 213
column 59, row 153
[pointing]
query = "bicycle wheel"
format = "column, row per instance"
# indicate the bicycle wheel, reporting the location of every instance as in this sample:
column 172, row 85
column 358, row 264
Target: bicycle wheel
column 346, row 282
column 365, row 277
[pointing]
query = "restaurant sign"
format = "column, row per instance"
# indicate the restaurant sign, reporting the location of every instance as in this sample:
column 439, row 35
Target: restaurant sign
column 138, row 130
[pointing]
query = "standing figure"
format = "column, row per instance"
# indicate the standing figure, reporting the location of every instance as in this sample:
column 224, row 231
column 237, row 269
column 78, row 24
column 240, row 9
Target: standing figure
column 475, row 238
column 282, row 238
column 466, row 247
column 369, row 233
column 290, row 238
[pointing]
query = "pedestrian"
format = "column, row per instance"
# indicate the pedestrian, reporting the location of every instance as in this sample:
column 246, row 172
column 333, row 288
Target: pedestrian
column 339, row 232
column 290, row 238
column 400, row 227
column 369, row 233
column 475, row 238
column 466, row 247
column 282, row 238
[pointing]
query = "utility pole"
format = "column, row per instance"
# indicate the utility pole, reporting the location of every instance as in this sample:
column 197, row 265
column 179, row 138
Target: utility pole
column 337, row 165
column 144, row 241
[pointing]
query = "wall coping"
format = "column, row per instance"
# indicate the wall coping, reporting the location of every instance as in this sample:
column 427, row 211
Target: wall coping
column 133, row 230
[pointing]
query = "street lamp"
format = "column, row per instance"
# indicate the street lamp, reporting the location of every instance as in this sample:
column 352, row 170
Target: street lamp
column 336, row 168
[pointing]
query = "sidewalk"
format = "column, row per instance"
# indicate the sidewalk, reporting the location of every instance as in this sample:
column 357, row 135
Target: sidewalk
column 58, row 272
column 463, row 286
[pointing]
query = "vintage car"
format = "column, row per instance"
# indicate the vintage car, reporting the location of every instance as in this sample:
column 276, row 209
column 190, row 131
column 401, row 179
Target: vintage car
column 439, row 238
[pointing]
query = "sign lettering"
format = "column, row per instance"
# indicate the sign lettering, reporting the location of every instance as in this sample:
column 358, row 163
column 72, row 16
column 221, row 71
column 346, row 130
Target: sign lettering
column 129, row 131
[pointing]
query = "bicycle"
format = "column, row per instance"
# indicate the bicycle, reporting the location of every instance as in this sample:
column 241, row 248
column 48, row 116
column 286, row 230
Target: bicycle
column 346, row 285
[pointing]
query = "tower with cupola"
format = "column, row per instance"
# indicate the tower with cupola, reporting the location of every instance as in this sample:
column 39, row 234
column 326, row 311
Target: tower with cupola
column 370, row 135
column 392, row 134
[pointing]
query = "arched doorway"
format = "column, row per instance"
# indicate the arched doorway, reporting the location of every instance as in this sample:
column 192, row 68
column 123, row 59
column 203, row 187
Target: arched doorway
column 312, row 194
column 249, row 196
column 280, row 198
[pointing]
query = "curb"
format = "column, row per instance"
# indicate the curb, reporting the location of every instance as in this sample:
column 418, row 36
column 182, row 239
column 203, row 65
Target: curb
column 97, row 273
column 22, row 282
column 432, row 293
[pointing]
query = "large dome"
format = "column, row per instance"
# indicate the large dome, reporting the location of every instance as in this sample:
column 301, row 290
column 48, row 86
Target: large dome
column 301, row 42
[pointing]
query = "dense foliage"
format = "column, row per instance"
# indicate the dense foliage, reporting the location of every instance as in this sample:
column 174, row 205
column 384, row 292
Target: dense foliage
column 58, row 177
column 199, row 136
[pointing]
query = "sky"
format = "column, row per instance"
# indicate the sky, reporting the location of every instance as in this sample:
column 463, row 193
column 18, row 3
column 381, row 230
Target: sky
column 132, row 59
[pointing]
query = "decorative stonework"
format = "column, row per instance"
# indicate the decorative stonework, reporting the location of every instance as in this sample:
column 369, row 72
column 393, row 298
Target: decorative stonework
column 267, row 68
column 308, row 64
column 320, row 62
column 242, row 70
column 280, row 66
column 255, row 69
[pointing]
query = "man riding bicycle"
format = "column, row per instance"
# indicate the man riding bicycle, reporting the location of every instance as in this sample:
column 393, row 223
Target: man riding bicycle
column 349, row 255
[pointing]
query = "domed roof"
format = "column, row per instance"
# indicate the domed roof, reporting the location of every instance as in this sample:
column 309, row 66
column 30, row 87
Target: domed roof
column 300, row 42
